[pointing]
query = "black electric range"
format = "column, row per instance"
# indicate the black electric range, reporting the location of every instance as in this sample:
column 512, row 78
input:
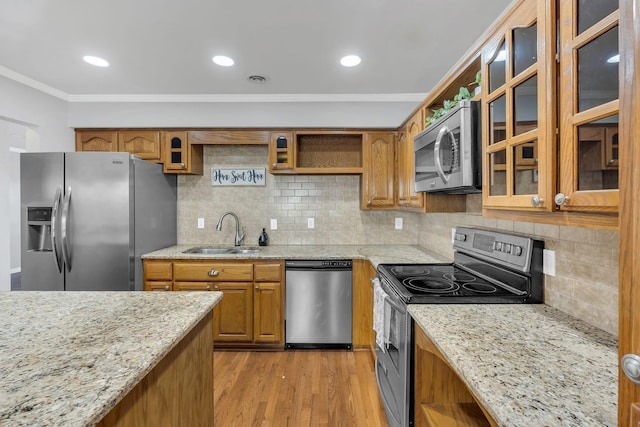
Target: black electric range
column 489, row 267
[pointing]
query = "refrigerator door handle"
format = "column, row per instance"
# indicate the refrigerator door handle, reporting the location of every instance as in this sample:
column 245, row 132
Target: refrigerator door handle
column 54, row 228
column 66, row 251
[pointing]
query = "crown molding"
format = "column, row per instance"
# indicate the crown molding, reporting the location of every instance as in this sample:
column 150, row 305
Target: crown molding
column 10, row 74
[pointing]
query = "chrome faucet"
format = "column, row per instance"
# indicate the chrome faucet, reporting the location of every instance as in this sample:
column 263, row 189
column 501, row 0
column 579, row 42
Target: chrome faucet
column 239, row 237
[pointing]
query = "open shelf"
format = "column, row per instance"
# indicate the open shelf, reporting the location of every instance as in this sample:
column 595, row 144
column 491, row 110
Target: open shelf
column 329, row 153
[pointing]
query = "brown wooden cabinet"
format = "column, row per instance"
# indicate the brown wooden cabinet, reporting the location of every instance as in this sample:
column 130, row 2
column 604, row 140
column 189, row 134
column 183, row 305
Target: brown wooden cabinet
column 250, row 313
column 441, row 397
column 281, row 158
column 179, row 155
column 518, row 114
column 143, row 143
column 363, row 334
column 378, row 182
column 408, row 198
column 589, row 107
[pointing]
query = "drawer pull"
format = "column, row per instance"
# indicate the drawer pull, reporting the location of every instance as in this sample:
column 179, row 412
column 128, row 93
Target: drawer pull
column 213, row 272
column 215, row 286
column 208, row 287
column 166, row 288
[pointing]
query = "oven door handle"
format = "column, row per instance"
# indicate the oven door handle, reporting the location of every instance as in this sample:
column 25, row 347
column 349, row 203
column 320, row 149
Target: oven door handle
column 436, row 152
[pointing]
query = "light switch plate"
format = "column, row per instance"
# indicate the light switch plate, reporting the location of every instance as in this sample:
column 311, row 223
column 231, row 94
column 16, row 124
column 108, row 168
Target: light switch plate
column 549, row 262
column 398, row 223
column 310, row 223
column 200, row 222
column 274, row 224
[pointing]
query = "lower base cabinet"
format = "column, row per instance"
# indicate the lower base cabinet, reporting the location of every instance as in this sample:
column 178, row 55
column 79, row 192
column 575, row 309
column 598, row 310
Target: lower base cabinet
column 250, row 314
column 441, row 398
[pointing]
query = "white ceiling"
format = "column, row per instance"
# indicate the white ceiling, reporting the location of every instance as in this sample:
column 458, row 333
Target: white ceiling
column 164, row 47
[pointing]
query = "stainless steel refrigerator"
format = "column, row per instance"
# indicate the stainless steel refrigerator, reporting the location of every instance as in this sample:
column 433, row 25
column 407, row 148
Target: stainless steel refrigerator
column 88, row 217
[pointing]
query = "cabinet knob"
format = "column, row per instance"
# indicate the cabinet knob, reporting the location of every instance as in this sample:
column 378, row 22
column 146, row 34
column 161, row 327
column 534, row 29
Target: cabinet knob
column 213, row 272
column 536, row 201
column 275, row 165
column 215, row 287
column 208, row 287
column 631, row 367
column 368, row 202
column 182, row 165
column 611, row 161
column 560, row 199
column 166, row 287
column 257, row 287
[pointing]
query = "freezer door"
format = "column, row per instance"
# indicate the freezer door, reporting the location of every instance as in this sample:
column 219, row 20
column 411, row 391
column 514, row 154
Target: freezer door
column 96, row 229
column 41, row 174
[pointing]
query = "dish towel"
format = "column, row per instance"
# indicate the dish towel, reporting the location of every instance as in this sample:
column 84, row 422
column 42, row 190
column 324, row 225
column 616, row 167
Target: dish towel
column 380, row 317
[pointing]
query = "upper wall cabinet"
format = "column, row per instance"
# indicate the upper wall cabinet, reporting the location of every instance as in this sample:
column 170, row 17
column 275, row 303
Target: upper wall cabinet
column 377, row 185
column 589, row 106
column 281, row 152
column 143, row 143
column 518, row 114
column 408, row 198
column 180, row 156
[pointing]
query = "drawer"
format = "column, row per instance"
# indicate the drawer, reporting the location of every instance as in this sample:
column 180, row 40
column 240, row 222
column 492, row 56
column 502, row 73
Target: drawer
column 213, row 271
column 268, row 272
column 192, row 287
column 158, row 271
column 158, row 286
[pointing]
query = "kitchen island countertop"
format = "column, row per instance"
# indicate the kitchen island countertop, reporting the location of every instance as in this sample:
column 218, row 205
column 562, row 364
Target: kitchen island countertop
column 377, row 254
column 528, row 365
column 67, row 358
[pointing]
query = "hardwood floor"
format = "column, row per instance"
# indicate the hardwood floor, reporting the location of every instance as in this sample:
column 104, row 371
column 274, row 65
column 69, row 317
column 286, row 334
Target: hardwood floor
column 296, row 388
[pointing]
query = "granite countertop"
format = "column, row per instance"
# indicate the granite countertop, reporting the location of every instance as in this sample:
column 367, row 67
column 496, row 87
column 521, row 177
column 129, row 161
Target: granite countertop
column 67, row 358
column 377, row 254
column 528, row 364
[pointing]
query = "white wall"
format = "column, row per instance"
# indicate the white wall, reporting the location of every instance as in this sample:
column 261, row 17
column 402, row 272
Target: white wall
column 240, row 114
column 45, row 118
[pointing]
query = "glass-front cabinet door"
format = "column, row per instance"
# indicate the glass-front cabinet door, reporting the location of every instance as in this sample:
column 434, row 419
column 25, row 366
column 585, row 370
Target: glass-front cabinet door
column 589, row 105
column 517, row 123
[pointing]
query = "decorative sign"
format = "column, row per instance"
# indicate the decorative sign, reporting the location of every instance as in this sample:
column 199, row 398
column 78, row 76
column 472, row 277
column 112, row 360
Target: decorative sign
column 238, row 176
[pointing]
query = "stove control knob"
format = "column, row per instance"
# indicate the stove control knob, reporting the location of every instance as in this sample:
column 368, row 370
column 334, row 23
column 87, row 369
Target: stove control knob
column 460, row 237
column 506, row 248
column 516, row 250
column 497, row 246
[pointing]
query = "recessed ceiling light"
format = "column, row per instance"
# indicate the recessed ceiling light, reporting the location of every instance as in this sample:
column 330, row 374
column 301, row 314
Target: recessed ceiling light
column 614, row 59
column 94, row 60
column 350, row 60
column 223, row 61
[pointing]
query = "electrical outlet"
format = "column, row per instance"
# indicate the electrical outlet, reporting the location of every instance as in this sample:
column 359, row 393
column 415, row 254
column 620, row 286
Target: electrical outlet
column 200, row 222
column 398, row 223
column 549, row 262
column 274, row 224
column 310, row 223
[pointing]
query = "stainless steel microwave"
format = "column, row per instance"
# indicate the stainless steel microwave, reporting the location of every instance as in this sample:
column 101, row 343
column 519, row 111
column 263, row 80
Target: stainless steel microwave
column 448, row 152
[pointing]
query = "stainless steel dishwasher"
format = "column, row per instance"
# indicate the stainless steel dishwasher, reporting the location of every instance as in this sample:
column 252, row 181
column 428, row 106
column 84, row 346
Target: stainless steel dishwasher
column 318, row 304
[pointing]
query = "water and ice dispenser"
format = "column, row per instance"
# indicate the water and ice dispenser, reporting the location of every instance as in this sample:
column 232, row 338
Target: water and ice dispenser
column 39, row 229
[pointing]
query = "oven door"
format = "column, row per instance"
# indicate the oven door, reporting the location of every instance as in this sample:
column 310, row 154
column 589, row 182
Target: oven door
column 393, row 372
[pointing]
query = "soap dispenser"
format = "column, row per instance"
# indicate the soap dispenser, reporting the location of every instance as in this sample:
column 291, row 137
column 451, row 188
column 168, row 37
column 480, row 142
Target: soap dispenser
column 263, row 239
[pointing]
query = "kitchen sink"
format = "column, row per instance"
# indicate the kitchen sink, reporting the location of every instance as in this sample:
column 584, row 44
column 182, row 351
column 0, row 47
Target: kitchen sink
column 209, row 250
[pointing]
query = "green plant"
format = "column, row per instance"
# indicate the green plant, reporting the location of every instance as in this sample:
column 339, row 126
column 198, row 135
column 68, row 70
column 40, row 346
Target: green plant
column 448, row 104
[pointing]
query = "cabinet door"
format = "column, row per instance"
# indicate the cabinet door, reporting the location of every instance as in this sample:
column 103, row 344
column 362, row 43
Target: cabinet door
column 378, row 179
column 281, row 152
column 589, row 57
column 407, row 196
column 267, row 313
column 233, row 315
column 96, row 140
column 143, row 143
column 518, row 114
column 175, row 151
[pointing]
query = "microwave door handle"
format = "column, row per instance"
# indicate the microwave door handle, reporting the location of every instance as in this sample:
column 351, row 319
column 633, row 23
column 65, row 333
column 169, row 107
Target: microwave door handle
column 64, row 223
column 436, row 154
column 54, row 228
